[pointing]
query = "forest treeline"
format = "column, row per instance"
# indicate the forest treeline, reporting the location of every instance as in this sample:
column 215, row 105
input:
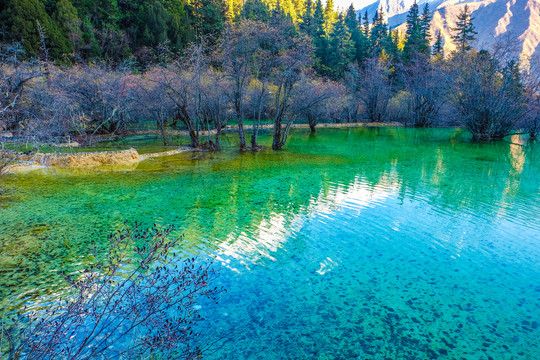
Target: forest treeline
column 83, row 68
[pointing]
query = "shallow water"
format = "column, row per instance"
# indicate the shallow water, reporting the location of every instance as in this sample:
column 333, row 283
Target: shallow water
column 350, row 244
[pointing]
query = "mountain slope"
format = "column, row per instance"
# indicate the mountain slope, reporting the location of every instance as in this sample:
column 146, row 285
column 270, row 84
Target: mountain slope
column 493, row 19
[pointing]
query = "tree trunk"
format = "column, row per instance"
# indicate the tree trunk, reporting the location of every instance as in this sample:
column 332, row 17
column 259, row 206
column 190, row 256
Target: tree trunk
column 239, row 115
column 184, row 117
column 241, row 134
column 161, row 127
column 276, row 143
column 312, row 124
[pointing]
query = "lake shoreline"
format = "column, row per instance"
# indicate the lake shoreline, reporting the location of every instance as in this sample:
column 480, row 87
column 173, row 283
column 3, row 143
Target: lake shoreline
column 234, row 128
column 23, row 162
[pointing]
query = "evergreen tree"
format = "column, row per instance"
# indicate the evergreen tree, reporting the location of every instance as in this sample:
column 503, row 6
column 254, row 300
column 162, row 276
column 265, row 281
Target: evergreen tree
column 155, row 32
column 330, row 16
column 234, row 9
column 277, row 12
column 391, row 45
column 179, row 27
column 358, row 38
column 378, row 35
column 20, row 18
column 417, row 32
column 209, row 18
column 464, row 30
column 282, row 20
column 67, row 18
column 438, row 46
column 90, row 48
column 320, row 42
column 365, row 24
column 288, row 8
column 256, row 10
column 341, row 48
column 306, row 24
column 425, row 23
column 101, row 13
column 351, row 22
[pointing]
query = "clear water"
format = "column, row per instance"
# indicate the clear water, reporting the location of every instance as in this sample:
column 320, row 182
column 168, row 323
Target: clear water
column 350, row 244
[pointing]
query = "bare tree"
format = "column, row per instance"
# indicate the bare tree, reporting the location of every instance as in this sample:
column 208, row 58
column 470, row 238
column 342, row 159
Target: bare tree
column 15, row 75
column 317, row 99
column 215, row 105
column 425, row 83
column 265, row 60
column 104, row 97
column 373, row 87
column 531, row 81
column 293, row 58
column 154, row 98
column 236, row 52
column 183, row 80
column 488, row 95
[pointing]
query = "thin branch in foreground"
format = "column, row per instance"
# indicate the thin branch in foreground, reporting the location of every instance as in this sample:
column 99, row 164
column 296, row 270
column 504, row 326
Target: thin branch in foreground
column 139, row 300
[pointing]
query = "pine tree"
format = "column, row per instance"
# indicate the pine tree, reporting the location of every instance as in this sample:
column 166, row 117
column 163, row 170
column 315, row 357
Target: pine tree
column 464, row 30
column 365, row 24
column 20, row 18
column 67, row 18
column 256, row 10
column 438, row 46
column 179, row 27
column 306, row 24
column 378, row 34
column 418, row 32
column 320, row 41
column 210, row 17
column 354, row 26
column 102, row 13
column 155, row 32
column 330, row 16
column 318, row 19
column 341, row 48
column 391, row 44
column 234, row 9
column 425, row 24
column 351, row 21
column 277, row 11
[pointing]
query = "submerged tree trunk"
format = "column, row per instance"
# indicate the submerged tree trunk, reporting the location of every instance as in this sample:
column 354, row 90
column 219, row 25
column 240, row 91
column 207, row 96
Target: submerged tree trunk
column 276, row 143
column 312, row 123
column 241, row 134
column 254, row 145
column 185, row 118
column 161, row 127
column 239, row 114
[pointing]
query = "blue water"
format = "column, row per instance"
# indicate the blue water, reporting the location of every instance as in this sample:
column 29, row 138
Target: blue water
column 351, row 244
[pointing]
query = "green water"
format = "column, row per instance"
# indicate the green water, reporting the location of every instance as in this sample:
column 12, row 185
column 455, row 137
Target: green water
column 350, row 244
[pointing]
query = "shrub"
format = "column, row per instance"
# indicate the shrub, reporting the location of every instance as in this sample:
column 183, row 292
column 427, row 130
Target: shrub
column 140, row 300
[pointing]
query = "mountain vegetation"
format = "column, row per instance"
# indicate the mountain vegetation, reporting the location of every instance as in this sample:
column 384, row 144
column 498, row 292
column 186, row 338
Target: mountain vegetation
column 85, row 68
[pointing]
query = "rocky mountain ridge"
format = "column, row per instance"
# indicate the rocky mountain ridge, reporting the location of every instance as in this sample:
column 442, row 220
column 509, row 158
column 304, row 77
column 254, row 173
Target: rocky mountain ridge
column 513, row 21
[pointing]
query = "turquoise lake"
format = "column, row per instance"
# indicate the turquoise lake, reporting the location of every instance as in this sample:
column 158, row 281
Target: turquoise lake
column 384, row 243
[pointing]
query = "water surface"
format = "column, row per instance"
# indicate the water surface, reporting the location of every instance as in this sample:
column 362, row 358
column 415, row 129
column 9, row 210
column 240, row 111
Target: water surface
column 350, row 244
